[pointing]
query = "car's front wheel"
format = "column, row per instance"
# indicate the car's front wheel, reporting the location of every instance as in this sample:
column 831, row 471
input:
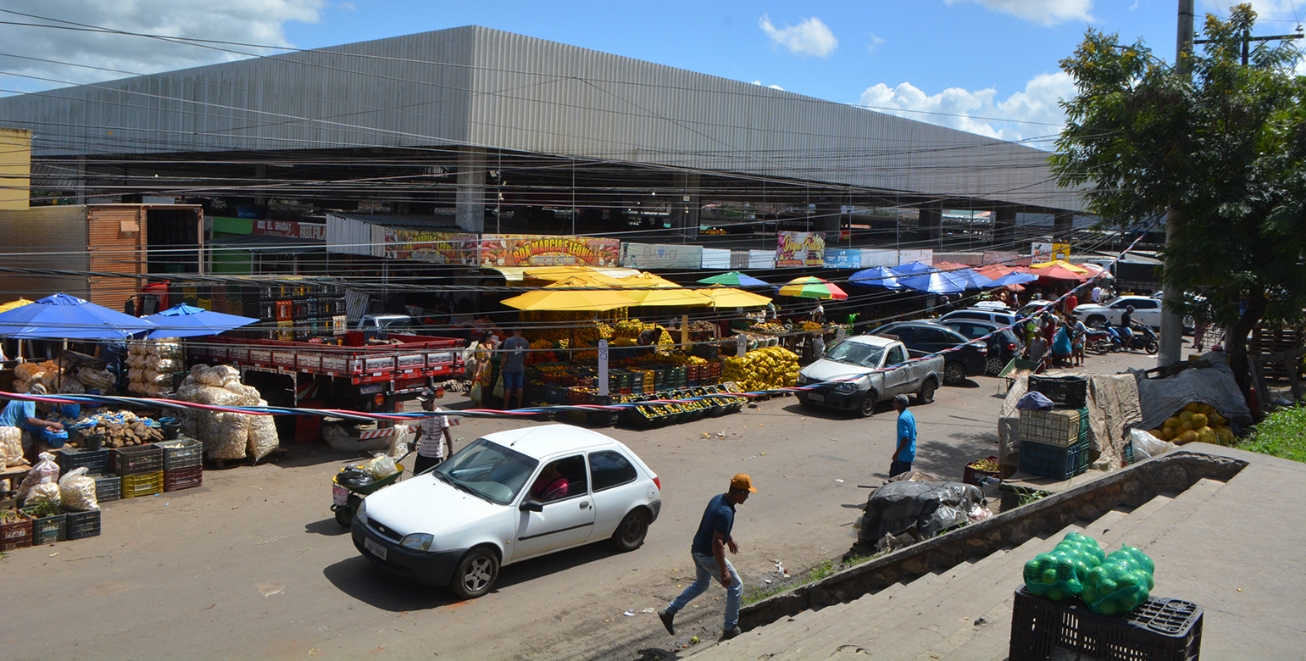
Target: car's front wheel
column 954, row 374
column 631, row 532
column 867, row 407
column 475, row 574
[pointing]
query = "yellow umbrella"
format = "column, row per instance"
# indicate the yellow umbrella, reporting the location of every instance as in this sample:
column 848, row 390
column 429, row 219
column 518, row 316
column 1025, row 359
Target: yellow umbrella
column 14, row 304
column 563, row 297
column 1059, row 262
column 646, row 281
column 729, row 297
column 584, row 277
column 668, row 297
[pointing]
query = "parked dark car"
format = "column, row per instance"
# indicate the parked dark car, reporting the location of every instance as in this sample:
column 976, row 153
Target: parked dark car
column 1003, row 345
column 930, row 336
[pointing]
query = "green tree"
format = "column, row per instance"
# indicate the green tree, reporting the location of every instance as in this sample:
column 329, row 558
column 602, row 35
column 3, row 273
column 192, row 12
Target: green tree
column 1220, row 154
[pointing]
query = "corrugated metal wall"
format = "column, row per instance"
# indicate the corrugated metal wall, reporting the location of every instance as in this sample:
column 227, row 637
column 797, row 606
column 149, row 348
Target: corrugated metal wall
column 473, row 85
column 43, row 238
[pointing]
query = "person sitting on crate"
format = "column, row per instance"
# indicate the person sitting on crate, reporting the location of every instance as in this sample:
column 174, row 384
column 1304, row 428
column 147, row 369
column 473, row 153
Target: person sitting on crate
column 45, row 435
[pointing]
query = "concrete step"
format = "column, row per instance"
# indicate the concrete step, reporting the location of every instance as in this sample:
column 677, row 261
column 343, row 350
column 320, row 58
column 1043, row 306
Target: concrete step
column 1144, row 531
column 764, row 639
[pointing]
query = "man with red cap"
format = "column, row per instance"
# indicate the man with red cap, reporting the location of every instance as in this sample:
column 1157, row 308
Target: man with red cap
column 709, row 554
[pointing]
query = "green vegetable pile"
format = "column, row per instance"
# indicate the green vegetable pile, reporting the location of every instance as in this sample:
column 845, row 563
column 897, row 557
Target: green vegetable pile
column 42, row 510
column 1109, row 584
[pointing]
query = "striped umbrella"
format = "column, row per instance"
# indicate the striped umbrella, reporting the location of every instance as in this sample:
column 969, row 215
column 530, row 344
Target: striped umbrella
column 812, row 287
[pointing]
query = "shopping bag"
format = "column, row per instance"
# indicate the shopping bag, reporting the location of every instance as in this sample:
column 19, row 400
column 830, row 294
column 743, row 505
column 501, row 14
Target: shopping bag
column 476, row 393
column 498, row 387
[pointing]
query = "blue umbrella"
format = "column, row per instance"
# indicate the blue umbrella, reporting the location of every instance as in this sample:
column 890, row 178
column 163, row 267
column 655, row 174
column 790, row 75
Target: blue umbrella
column 189, row 321
column 935, row 283
column 876, row 276
column 972, row 279
column 64, row 317
column 912, row 268
column 1014, row 278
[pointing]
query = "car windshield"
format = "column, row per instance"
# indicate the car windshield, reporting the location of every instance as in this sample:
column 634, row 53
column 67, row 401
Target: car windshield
column 488, row 470
column 856, row 353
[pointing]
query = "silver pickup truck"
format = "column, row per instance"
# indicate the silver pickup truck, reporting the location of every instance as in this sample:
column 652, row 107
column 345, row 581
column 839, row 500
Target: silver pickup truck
column 852, row 364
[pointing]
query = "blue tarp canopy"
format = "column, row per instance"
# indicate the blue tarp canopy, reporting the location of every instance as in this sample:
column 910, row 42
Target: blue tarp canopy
column 912, row 268
column 972, row 279
column 189, row 321
column 1014, row 278
column 64, row 317
column 938, row 282
column 876, row 276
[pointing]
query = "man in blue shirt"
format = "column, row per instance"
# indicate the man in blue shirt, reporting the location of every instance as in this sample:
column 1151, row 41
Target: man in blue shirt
column 22, row 414
column 708, row 552
column 905, row 452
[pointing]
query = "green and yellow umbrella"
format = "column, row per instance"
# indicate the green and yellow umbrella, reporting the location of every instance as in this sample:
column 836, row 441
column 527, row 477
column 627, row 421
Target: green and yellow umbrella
column 812, row 287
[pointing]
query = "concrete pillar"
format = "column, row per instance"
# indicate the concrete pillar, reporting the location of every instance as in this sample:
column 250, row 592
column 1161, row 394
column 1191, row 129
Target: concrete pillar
column 260, row 185
column 827, row 219
column 685, row 204
column 931, row 221
column 470, row 202
column 1004, row 229
column 1063, row 225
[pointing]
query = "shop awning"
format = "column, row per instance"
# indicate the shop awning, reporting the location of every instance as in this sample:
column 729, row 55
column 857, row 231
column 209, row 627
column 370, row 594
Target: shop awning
column 668, row 297
column 564, row 297
column 729, row 297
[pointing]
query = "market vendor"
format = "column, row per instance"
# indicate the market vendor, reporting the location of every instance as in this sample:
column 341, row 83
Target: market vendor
column 22, row 414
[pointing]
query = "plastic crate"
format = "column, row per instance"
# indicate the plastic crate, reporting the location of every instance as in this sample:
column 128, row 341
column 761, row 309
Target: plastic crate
column 107, row 488
column 183, row 478
column 1068, row 391
column 142, row 484
column 181, row 453
column 555, row 394
column 138, row 459
column 71, row 459
column 1158, row 630
column 1052, row 461
column 970, row 474
column 1061, row 428
column 48, row 530
column 82, row 524
column 16, row 535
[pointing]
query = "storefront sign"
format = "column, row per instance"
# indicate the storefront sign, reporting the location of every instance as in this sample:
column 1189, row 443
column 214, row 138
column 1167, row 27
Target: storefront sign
column 433, row 247
column 660, row 256
column 799, row 249
column 843, row 258
column 1046, row 252
column 290, row 228
column 529, row 250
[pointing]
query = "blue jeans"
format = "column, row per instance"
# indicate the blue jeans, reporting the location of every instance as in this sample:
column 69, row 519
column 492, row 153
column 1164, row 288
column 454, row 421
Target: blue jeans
column 899, row 467
column 513, row 380
column 707, row 573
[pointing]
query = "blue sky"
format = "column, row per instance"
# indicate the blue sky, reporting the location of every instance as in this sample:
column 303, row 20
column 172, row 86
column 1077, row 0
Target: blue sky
column 962, row 63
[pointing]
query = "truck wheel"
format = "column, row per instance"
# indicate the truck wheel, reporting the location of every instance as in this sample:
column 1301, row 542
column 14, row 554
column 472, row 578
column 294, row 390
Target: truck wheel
column 954, row 374
column 475, row 574
column 926, row 395
column 867, row 408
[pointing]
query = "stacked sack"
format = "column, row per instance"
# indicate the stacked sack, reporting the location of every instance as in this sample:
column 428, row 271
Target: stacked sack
column 45, row 373
column 226, row 436
column 1109, row 584
column 150, row 366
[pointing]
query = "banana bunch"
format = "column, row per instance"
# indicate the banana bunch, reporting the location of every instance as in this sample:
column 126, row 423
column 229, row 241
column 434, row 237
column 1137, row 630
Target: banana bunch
column 764, row 369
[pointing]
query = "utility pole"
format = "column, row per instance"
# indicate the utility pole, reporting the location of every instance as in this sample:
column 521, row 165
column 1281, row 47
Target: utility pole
column 1172, row 325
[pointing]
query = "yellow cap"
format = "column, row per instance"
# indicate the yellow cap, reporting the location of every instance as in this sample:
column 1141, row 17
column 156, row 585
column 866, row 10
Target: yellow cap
column 743, row 481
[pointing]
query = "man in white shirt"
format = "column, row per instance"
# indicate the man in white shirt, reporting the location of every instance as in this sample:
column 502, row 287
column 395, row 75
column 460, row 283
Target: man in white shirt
column 432, row 436
column 1097, row 294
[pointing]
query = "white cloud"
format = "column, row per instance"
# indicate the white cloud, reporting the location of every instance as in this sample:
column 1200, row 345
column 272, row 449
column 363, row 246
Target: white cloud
column 981, row 111
column 875, row 42
column 772, row 85
column 244, row 21
column 1043, row 12
column 809, row 37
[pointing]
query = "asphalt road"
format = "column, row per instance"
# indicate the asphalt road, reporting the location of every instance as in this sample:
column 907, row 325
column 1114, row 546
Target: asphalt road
column 253, row 566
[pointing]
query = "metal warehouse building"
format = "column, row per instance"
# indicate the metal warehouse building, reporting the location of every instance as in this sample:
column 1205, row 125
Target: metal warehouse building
column 487, row 127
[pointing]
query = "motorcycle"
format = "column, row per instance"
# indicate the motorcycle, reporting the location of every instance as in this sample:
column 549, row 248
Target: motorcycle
column 1143, row 338
column 1098, row 341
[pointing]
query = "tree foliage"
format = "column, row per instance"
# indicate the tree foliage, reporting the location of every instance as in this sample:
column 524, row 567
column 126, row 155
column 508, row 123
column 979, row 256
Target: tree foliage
column 1220, row 154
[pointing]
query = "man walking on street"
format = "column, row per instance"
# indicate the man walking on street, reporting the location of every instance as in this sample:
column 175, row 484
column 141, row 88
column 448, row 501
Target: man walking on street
column 432, row 436
column 514, row 367
column 905, row 451
column 709, row 553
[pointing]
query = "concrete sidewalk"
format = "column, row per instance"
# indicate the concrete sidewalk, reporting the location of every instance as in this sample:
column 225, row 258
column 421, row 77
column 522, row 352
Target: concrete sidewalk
column 1232, row 547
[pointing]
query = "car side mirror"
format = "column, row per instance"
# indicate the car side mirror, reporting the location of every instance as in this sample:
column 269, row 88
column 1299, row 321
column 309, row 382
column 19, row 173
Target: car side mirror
column 532, row 506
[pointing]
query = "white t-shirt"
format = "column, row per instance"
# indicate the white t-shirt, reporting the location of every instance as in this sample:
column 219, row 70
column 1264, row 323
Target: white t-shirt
column 1097, row 295
column 431, row 443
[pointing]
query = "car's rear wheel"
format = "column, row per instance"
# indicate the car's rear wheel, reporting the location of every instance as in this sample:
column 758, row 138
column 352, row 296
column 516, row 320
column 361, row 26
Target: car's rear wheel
column 475, row 574
column 866, row 408
column 993, row 365
column 926, row 394
column 630, row 534
column 954, row 374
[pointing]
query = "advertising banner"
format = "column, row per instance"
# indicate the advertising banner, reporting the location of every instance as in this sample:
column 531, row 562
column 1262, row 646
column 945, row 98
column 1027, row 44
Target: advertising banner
column 312, row 231
column 843, row 258
column 534, row 250
column 1046, row 252
column 434, row 247
column 661, row 256
column 799, row 249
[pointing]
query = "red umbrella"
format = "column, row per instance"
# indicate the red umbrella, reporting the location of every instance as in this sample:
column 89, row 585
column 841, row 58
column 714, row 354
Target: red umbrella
column 1056, row 273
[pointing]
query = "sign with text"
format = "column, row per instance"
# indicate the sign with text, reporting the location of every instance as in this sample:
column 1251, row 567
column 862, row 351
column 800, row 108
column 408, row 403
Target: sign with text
column 311, row 231
column 1046, row 252
column 533, row 250
column 661, row 256
column 799, row 249
column 843, row 258
column 434, row 247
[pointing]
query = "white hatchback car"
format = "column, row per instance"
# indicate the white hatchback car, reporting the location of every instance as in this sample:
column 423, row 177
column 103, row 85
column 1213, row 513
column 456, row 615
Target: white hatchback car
column 506, row 497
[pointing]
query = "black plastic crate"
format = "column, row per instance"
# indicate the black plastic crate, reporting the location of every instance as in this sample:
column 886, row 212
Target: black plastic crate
column 1066, row 392
column 139, row 459
column 48, row 530
column 82, row 524
column 1158, row 630
column 1052, row 461
column 107, row 488
column 70, row 459
column 181, row 453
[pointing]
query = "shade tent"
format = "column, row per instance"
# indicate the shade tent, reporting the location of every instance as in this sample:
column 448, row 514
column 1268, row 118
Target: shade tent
column 1076, row 268
column 876, row 276
column 934, row 283
column 1058, row 272
column 14, row 304
column 912, row 268
column 565, row 296
column 646, row 281
column 950, row 266
column 668, row 298
column 729, row 297
column 64, row 317
column 1014, row 279
column 734, row 279
column 812, row 287
column 189, row 321
column 972, row 279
